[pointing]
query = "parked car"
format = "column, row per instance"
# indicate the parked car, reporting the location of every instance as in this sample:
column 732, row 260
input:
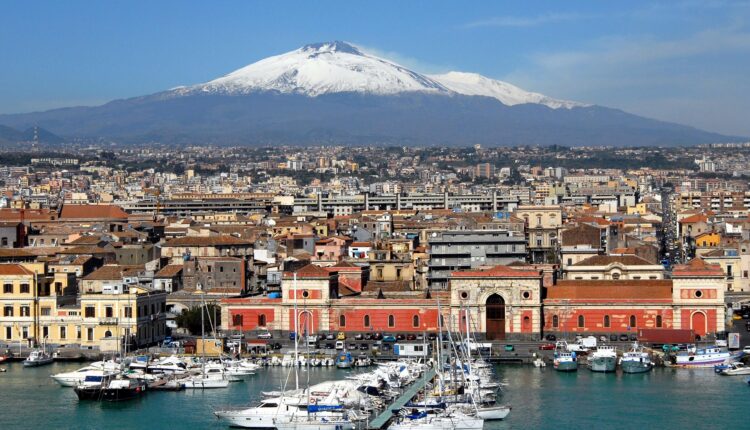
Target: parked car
column 330, row 345
column 321, row 336
column 746, row 349
column 358, row 336
column 341, row 336
column 276, row 346
column 364, row 347
column 547, row 346
column 353, row 346
column 411, row 336
column 368, row 336
column 330, row 336
column 633, row 337
column 509, row 347
column 602, row 338
column 551, row 337
column 386, row 347
column 431, row 336
column 389, row 338
column 292, row 335
column 265, row 335
column 377, row 336
column 339, row 344
column 623, row 338
column 613, row 337
column 400, row 336
column 736, row 316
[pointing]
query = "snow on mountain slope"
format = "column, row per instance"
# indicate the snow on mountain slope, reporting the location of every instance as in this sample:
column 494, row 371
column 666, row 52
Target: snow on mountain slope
column 322, row 68
column 473, row 84
column 337, row 67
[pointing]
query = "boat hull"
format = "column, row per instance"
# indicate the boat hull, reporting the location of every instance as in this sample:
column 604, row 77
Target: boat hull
column 566, row 366
column 636, row 366
column 37, row 363
column 493, row 413
column 603, row 364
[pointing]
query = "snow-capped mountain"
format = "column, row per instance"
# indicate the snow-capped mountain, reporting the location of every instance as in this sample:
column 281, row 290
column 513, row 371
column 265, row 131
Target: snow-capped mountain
column 338, row 67
column 336, row 93
column 322, row 68
column 473, row 84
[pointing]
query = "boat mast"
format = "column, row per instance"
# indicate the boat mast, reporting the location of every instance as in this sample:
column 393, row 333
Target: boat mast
column 296, row 335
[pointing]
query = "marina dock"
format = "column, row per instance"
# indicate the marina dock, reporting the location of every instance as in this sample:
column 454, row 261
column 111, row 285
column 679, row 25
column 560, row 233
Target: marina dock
column 381, row 420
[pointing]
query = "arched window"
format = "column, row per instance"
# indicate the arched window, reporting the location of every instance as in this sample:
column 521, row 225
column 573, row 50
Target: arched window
column 366, row 321
column 632, row 321
column 615, row 276
column 261, row 320
column 391, row 321
column 658, row 321
column 107, row 333
column 581, row 321
column 606, row 321
column 342, row 320
column 415, row 321
column 555, row 321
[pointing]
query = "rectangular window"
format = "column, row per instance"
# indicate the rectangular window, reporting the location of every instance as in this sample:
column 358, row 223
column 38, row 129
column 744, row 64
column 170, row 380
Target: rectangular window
column 63, row 332
column 78, row 332
column 128, row 312
column 90, row 312
column 108, row 312
column 8, row 289
column 8, row 311
column 25, row 289
column 8, row 333
column 89, row 333
column 25, row 311
column 45, row 332
column 24, row 332
column 45, row 312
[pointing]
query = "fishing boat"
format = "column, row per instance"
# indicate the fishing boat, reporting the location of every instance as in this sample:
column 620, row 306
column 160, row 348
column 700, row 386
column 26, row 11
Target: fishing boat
column 603, row 359
column 705, row 357
column 344, row 360
column 637, row 360
column 38, row 357
column 565, row 361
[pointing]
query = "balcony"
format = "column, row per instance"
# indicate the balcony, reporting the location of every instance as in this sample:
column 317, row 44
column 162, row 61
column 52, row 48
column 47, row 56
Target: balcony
column 108, row 321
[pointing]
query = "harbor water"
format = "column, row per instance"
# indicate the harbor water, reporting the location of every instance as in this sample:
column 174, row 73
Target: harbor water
column 541, row 399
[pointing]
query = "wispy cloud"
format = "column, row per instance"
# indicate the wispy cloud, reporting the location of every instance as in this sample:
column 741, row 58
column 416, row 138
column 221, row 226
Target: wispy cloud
column 525, row 21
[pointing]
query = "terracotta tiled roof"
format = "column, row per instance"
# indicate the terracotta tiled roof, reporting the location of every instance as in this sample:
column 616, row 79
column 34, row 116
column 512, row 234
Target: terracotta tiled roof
column 14, row 270
column 310, row 271
column 113, row 272
column 694, row 218
column 605, row 260
column 92, row 212
column 361, row 244
column 497, row 272
column 27, row 215
column 660, row 289
column 697, row 267
column 207, row 241
column 169, row 271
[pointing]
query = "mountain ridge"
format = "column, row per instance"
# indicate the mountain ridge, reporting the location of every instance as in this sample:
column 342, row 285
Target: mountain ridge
column 333, row 92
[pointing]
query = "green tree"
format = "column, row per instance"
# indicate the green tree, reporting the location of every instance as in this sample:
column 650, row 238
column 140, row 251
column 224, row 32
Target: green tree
column 190, row 319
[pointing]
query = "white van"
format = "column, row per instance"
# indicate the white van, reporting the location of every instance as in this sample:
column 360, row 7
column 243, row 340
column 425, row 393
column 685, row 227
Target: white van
column 340, row 344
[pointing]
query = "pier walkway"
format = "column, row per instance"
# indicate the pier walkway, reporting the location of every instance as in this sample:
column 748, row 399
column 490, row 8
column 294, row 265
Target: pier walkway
column 381, row 420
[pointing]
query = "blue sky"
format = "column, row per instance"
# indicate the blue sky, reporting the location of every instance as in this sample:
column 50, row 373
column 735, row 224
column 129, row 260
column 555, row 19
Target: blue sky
column 685, row 61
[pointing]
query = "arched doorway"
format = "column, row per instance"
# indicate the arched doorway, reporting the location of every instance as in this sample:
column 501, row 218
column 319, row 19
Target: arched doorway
column 305, row 323
column 495, row 317
column 698, row 323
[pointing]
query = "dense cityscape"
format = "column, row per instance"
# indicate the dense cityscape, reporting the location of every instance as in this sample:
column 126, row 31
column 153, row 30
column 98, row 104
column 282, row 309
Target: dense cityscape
column 374, row 215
